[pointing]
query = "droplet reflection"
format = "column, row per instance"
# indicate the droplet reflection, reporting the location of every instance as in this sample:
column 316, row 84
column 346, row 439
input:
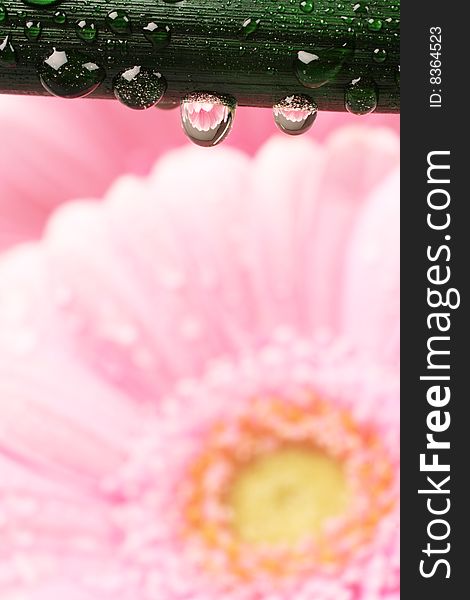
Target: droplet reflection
column 295, row 114
column 207, row 118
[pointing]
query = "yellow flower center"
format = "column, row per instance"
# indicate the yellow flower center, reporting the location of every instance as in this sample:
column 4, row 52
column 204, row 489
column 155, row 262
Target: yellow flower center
column 286, row 488
column 286, row 496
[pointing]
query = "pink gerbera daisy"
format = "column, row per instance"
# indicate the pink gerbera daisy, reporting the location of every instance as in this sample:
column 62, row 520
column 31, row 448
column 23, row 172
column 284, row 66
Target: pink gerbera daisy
column 198, row 388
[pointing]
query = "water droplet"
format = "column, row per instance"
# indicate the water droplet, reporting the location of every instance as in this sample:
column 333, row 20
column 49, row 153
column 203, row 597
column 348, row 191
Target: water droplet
column 119, row 22
column 379, row 55
column 314, row 69
column 295, row 114
column 86, row 31
column 139, row 87
column 158, row 35
column 397, row 77
column 44, row 3
column 207, row 118
column 249, row 27
column 307, row 6
column 60, row 18
column 7, row 53
column 32, row 30
column 361, row 8
column 116, row 50
column 3, row 14
column 167, row 105
column 70, row 74
column 374, row 24
column 361, row 96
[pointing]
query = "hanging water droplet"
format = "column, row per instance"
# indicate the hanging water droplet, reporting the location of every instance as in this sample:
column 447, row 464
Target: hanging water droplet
column 8, row 56
column 158, row 35
column 119, row 22
column 249, row 27
column 32, row 30
column 167, row 105
column 207, row 118
column 379, row 55
column 139, row 87
column 60, row 18
column 295, row 114
column 306, row 6
column 70, row 74
column 361, row 96
column 314, row 69
column 86, row 31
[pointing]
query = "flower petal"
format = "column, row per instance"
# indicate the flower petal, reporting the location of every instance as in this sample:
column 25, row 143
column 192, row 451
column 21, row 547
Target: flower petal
column 153, row 313
column 207, row 256
column 371, row 296
column 358, row 158
column 54, row 150
column 54, row 413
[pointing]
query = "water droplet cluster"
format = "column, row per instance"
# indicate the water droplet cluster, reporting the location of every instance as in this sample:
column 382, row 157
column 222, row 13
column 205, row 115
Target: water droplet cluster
column 309, row 50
